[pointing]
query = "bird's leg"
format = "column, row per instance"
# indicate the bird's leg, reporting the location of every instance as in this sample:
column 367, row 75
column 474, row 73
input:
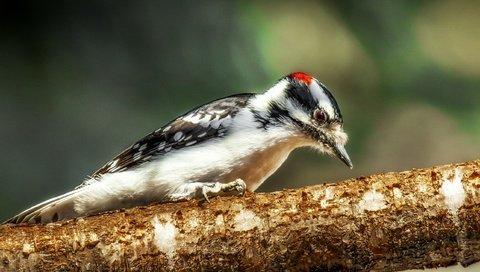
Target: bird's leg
column 206, row 190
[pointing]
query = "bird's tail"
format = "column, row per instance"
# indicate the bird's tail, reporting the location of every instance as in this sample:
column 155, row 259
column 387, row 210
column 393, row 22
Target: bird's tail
column 54, row 209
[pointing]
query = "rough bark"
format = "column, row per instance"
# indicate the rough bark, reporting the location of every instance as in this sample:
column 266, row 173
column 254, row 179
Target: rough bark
column 385, row 222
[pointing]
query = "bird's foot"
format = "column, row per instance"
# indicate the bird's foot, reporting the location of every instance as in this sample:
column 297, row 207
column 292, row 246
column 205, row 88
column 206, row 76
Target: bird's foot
column 233, row 188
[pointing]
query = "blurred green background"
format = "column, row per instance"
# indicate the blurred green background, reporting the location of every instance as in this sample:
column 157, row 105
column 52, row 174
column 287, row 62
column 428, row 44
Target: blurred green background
column 80, row 81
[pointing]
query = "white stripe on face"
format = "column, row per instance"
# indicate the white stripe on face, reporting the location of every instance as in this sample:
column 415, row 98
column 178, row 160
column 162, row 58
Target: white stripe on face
column 323, row 100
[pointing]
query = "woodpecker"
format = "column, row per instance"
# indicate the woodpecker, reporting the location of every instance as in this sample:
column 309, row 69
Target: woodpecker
column 224, row 147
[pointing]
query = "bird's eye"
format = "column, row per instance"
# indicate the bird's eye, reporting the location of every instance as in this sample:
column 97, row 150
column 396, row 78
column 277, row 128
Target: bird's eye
column 320, row 116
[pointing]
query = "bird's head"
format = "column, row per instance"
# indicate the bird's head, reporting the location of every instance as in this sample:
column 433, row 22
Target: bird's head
column 303, row 103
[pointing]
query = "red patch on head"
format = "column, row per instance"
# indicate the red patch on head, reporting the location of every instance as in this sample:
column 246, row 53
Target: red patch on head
column 302, row 77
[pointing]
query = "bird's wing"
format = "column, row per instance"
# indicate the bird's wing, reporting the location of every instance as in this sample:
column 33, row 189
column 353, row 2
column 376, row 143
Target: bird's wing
column 199, row 125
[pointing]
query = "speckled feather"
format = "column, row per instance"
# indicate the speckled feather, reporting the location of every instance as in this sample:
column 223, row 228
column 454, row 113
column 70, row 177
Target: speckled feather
column 199, row 125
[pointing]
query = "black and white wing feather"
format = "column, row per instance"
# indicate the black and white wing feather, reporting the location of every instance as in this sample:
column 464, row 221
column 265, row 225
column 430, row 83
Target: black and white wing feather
column 199, row 125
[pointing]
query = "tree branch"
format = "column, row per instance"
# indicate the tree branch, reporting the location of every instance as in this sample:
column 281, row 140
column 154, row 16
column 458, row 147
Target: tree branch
column 389, row 222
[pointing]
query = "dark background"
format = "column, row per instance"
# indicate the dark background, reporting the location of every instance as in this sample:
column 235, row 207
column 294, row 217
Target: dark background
column 81, row 80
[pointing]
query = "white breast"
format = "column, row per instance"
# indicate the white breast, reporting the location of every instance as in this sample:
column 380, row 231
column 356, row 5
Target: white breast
column 246, row 152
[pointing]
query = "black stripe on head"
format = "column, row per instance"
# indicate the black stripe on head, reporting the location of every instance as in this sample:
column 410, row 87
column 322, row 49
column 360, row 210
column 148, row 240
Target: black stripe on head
column 299, row 92
column 276, row 114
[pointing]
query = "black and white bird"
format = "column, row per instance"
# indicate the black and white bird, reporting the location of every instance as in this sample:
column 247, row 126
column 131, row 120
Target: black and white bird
column 224, row 147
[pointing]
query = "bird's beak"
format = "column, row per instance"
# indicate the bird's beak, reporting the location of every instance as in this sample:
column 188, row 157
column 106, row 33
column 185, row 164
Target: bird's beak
column 342, row 154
